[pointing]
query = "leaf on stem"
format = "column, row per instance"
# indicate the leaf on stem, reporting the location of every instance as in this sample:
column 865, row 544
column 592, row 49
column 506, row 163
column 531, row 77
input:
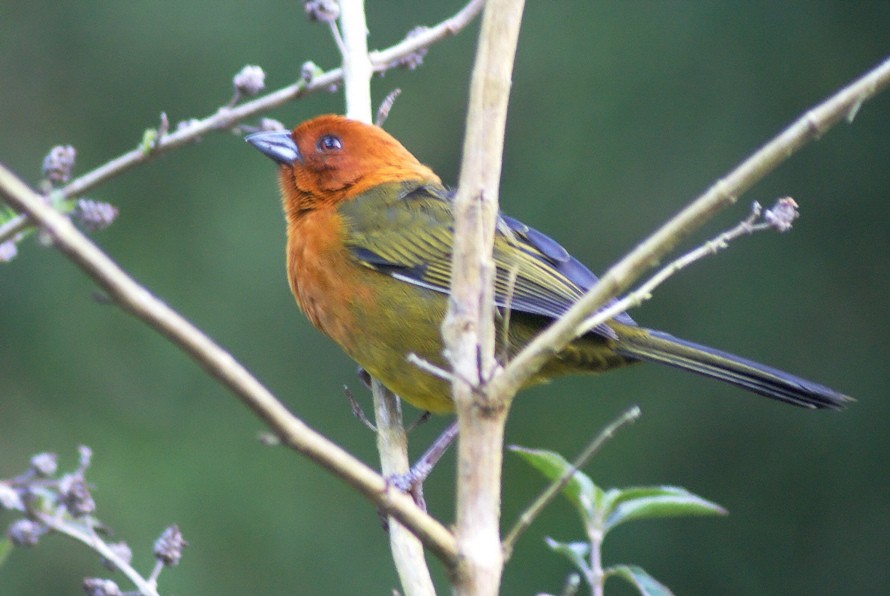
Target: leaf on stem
column 651, row 502
column 580, row 490
column 576, row 552
column 638, row 578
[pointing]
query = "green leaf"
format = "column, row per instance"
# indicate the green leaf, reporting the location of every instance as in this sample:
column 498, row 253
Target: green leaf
column 638, row 578
column 580, row 490
column 576, row 552
column 628, row 504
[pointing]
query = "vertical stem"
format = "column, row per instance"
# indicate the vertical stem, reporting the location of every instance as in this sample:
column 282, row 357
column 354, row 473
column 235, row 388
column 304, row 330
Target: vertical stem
column 596, row 580
column 468, row 329
column 357, row 68
column 392, row 443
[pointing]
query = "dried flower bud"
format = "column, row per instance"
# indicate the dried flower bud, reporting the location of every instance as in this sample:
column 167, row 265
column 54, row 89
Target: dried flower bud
column 10, row 498
column 96, row 586
column 270, row 124
column 76, row 495
column 168, row 548
column 250, row 81
column 25, row 532
column 45, row 464
column 58, row 163
column 782, row 214
column 322, row 11
column 415, row 58
column 8, row 251
column 122, row 551
column 94, row 215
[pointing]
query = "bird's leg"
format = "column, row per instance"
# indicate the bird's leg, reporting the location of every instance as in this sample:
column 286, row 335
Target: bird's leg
column 422, row 419
column 364, row 376
column 356, row 408
column 412, row 482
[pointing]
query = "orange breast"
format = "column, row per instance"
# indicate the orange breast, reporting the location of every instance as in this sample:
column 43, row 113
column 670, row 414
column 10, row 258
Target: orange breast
column 322, row 275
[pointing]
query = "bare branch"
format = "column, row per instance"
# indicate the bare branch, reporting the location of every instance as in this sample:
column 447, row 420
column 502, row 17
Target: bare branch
column 746, row 227
column 357, row 67
column 392, row 441
column 226, row 118
column 95, row 542
column 386, row 106
column 383, row 60
column 723, row 193
column 468, row 329
column 137, row 300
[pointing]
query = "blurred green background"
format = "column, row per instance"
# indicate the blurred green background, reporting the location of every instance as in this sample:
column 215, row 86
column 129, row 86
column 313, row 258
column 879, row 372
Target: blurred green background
column 621, row 113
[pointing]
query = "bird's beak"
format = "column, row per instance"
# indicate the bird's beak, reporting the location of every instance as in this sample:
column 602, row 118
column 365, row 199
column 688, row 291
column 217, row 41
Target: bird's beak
column 277, row 145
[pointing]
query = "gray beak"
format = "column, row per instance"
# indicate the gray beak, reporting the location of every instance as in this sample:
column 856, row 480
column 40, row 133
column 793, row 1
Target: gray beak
column 276, row 145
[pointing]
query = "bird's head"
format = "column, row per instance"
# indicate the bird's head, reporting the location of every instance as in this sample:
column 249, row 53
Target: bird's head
column 331, row 158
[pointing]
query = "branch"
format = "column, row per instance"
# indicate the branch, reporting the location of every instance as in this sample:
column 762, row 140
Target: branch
column 135, row 299
column 468, row 329
column 392, row 441
column 778, row 218
column 356, row 62
column 381, row 60
column 226, row 118
column 95, row 542
column 812, row 125
column 392, row 444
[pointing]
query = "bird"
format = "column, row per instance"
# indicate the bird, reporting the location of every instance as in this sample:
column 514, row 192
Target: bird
column 370, row 232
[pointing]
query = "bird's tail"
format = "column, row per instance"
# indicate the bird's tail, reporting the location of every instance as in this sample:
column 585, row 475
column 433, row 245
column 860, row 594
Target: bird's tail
column 656, row 346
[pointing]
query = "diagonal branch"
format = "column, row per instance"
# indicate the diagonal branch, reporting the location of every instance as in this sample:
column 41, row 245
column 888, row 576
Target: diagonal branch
column 809, row 127
column 227, row 118
column 138, row 301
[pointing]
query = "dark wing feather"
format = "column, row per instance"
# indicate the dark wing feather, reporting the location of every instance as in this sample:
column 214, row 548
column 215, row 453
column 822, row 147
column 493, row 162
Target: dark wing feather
column 405, row 230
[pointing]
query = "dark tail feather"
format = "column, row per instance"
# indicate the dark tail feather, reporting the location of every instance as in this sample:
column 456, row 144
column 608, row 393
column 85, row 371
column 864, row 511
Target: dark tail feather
column 656, row 346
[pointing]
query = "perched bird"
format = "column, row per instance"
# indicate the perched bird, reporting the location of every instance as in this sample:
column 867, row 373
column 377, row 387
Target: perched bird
column 369, row 244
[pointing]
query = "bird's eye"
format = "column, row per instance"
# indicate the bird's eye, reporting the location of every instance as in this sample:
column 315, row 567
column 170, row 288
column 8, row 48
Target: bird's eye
column 330, row 143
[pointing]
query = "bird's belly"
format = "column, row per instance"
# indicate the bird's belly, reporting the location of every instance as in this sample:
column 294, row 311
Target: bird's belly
column 379, row 321
column 406, row 320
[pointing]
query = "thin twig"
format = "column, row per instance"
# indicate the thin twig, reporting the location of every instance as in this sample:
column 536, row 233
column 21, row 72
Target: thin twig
column 723, row 193
column 227, row 118
column 548, row 494
column 423, row 466
column 386, row 106
column 138, row 301
column 12, row 227
column 427, row 366
column 383, row 60
column 146, row 587
column 720, row 242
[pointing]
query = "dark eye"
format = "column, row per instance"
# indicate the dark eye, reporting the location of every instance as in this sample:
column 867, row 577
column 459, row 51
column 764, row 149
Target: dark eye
column 330, row 143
